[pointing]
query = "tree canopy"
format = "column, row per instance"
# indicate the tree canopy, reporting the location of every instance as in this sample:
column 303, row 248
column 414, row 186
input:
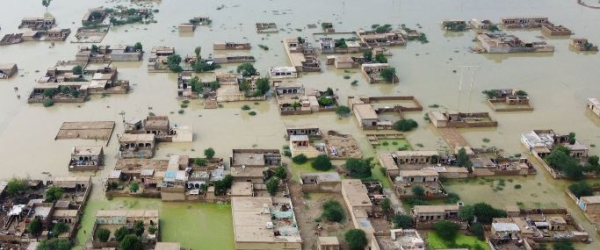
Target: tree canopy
column 102, row 234
column 209, row 153
column 581, row 188
column 342, row 110
column 358, row 168
column 333, row 211
column 131, row 242
column 322, row 163
column 54, row 244
column 16, row 186
column 273, row 186
column 35, row 227
column 405, row 125
column 402, row 221
column 53, row 194
column 388, row 74
column 446, row 230
column 246, row 69
column 356, row 239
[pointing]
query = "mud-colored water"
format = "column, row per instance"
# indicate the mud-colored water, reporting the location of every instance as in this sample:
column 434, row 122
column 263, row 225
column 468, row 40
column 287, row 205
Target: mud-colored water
column 558, row 83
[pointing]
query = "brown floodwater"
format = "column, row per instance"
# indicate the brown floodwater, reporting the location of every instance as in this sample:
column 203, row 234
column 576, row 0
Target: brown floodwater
column 557, row 83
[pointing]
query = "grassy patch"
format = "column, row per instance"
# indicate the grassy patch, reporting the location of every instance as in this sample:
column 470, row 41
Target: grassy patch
column 435, row 242
column 393, row 144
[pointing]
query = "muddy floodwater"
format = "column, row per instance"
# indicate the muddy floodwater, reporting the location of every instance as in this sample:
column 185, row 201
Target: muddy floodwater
column 558, row 83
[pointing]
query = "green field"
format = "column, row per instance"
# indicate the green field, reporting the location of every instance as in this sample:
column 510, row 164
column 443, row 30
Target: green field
column 435, row 242
column 392, row 145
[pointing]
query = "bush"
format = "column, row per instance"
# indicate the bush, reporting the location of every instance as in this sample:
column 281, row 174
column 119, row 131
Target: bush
column 15, row 186
column 581, row 188
column 54, row 244
column 131, row 242
column 418, row 190
column 405, row 125
column 138, row 227
column 59, row 228
column 273, row 186
column 563, row 245
column 53, row 194
column 200, row 162
column 35, row 227
column 252, row 113
column 388, row 74
column 300, row 159
column 402, row 221
column 121, row 233
column 358, row 168
column 477, row 230
column 281, row 173
column 102, row 234
column 209, row 153
column 246, row 69
column 333, row 211
column 78, row 70
column 48, row 103
column 342, row 110
column 446, row 230
column 356, row 239
column 322, row 163
column 134, row 187
column 245, row 107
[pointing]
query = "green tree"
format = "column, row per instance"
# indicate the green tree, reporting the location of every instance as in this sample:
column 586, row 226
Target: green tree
column 446, row 230
column 388, row 74
column 214, row 85
column 326, row 101
column 121, row 233
column 131, row 242
column 418, row 190
column 358, row 168
column 102, row 234
column 16, row 186
column 300, row 159
column 356, row 239
column 581, row 188
column 333, row 211
column 402, row 221
column 46, row 3
column 368, row 55
column 462, row 158
column 262, row 86
column 572, row 138
column 322, row 163
column 134, row 187
column 477, row 230
column 138, row 227
column 405, row 125
column 75, row 92
column 50, row 92
column 228, row 181
column 35, row 227
column 593, row 160
column 95, row 48
column 53, row 194
column 485, row 213
column 138, row 46
column 380, row 58
column 198, row 52
column 54, row 244
column 466, row 213
column 59, row 228
column 173, row 62
column 273, row 186
column 78, row 70
column 245, row 86
column 200, row 162
column 246, row 69
column 563, row 245
column 386, row 205
column 209, row 153
column 342, row 111
column 281, row 172
column 383, row 29
column 197, row 86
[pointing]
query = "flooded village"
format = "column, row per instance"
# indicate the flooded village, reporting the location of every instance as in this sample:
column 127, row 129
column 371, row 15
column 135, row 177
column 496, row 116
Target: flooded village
column 180, row 125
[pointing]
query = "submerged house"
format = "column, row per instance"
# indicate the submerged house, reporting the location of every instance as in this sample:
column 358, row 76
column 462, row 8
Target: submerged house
column 302, row 55
column 582, row 44
column 7, row 70
column 86, row 158
column 594, row 105
column 372, row 72
column 137, row 145
column 38, row 23
column 114, row 219
column 161, row 128
column 231, row 46
column 283, row 72
column 501, row 43
column 374, row 39
column 425, row 216
column 157, row 62
column 452, row 119
column 263, row 28
column 524, row 22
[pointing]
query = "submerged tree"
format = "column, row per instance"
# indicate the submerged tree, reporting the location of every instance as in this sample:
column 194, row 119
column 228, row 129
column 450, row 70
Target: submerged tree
column 46, row 3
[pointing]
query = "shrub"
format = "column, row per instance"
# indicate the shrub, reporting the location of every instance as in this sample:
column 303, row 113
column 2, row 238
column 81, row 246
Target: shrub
column 48, row 103
column 209, row 153
column 53, row 194
column 246, row 107
column 418, row 190
column 131, row 242
column 121, row 233
column 273, row 186
column 477, row 230
column 405, row 125
column 59, row 228
column 200, row 161
column 333, row 211
column 35, row 227
column 356, row 239
column 322, row 163
column 402, row 221
column 581, row 188
column 54, row 244
column 342, row 111
column 102, row 234
column 246, row 69
column 281, row 173
column 134, row 187
column 446, row 230
column 358, row 168
column 252, row 113
column 300, row 159
column 16, row 186
column 388, row 74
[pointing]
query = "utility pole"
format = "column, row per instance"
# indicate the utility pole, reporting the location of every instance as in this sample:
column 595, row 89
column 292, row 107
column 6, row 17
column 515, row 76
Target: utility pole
column 472, row 71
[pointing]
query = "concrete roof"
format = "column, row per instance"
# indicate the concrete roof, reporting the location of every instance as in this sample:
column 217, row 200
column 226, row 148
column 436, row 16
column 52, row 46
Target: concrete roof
column 423, row 172
column 140, row 213
column 365, row 111
column 591, row 199
column 137, row 138
column 323, row 177
column 329, row 241
column 242, row 188
column 247, row 172
column 435, row 208
column 84, row 151
column 355, row 193
column 505, row 227
column 167, row 246
column 416, row 153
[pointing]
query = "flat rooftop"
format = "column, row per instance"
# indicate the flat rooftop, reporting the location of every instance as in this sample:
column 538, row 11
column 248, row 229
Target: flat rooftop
column 356, row 193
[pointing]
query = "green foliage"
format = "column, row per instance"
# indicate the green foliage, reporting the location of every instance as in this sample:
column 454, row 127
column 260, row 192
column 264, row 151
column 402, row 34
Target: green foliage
column 131, row 242
column 388, row 74
column 203, row 66
column 446, row 230
column 46, row 3
column 273, row 186
column 560, row 160
column 368, row 55
column 53, row 194
column 356, row 239
column 452, row 198
column 477, row 230
column 563, row 245
column 78, row 70
column 466, row 213
column 341, row 43
column 300, row 159
column 358, row 168
column 572, row 138
column 48, row 103
column 75, row 93
column 383, row 28
column 246, row 69
column 405, row 125
column 59, row 228
column 322, row 163
column 418, row 190
column 521, row 93
column 54, row 244
column 138, row 46
column 326, row 101
column 50, row 92
column 121, row 233
column 138, row 227
column 16, row 186
column 262, row 86
column 153, row 229
column 333, row 211
column 581, row 188
column 35, row 227
column 484, row 212
column 386, row 205
column 252, row 113
column 246, row 107
column 380, row 58
column 263, row 47
column 134, row 187
column 173, row 62
column 102, row 234
column 209, row 153
column 402, row 221
column 342, row 111
column 493, row 28
column 200, row 162
column 455, row 26
column 281, row 172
